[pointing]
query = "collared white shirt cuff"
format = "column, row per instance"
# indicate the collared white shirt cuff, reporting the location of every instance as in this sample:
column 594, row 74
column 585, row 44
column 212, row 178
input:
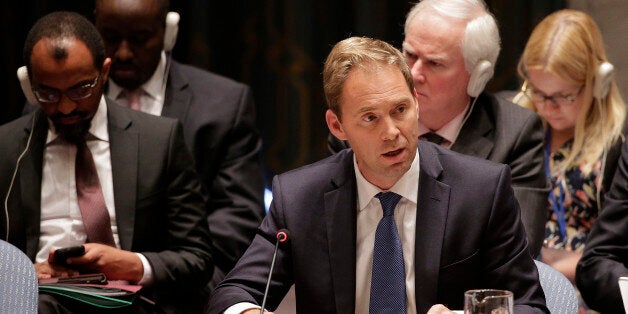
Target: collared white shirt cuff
column 241, row 307
column 147, row 277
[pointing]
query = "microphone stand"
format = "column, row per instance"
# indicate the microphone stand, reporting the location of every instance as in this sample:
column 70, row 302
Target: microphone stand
column 282, row 236
column 272, row 266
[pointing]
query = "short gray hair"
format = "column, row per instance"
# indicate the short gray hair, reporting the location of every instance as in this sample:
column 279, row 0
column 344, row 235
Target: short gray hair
column 481, row 37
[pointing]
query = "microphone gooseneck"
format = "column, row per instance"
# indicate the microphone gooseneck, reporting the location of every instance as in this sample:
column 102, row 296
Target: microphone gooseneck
column 282, row 236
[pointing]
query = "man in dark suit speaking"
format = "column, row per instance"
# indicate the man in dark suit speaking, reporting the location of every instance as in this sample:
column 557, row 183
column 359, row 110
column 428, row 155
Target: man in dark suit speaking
column 384, row 221
column 81, row 170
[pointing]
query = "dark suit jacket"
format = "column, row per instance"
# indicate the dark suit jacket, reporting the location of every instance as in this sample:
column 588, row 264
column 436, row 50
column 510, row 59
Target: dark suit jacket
column 219, row 127
column 605, row 256
column 158, row 198
column 468, row 235
column 500, row 131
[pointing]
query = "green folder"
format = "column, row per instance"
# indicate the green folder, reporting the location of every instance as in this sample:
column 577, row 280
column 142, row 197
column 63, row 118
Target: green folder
column 103, row 296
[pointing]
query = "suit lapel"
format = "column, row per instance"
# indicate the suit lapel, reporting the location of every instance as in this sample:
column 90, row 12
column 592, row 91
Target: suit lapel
column 431, row 218
column 30, row 175
column 124, row 146
column 340, row 215
column 473, row 139
column 178, row 96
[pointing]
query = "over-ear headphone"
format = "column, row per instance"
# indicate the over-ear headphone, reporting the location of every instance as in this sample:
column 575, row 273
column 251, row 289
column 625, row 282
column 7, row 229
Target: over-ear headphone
column 25, row 83
column 170, row 38
column 603, row 78
column 171, row 31
column 481, row 74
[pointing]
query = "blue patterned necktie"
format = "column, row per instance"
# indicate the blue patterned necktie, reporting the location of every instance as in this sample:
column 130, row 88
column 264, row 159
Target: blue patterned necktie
column 388, row 283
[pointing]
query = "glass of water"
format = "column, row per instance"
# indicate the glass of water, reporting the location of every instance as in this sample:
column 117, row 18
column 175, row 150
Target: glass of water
column 488, row 301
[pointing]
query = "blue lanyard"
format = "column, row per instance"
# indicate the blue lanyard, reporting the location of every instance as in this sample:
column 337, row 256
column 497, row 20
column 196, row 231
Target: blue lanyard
column 558, row 206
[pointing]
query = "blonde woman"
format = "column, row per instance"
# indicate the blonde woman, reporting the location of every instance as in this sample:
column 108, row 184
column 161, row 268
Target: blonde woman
column 568, row 82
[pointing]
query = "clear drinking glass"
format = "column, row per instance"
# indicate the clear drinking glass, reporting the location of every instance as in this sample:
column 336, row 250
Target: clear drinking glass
column 488, row 301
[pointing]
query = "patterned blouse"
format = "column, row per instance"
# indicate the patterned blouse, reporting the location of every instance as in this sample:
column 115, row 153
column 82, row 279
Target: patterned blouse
column 579, row 200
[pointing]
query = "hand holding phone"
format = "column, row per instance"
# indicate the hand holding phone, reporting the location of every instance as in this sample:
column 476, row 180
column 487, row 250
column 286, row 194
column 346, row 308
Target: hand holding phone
column 61, row 255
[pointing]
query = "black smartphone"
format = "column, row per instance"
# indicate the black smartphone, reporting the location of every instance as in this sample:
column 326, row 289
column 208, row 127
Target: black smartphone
column 97, row 278
column 62, row 254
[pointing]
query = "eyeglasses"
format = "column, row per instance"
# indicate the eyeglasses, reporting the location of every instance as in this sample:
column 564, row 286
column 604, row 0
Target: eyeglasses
column 51, row 95
column 540, row 98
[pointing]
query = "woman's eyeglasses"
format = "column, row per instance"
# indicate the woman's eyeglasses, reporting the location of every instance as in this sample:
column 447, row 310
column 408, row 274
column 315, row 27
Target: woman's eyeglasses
column 540, row 98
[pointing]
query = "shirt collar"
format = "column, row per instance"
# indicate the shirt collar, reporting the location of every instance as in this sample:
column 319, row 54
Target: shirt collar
column 450, row 130
column 406, row 186
column 153, row 87
column 98, row 128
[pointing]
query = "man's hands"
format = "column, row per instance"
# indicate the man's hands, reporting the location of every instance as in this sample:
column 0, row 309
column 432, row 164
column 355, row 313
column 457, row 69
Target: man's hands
column 116, row 264
column 47, row 270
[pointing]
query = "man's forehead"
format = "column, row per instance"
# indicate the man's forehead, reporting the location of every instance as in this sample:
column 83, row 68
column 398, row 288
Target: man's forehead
column 375, row 80
column 144, row 9
column 61, row 49
column 432, row 46
column 69, row 58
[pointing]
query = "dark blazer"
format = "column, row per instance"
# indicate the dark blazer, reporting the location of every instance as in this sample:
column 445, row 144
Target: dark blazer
column 158, row 198
column 219, row 127
column 605, row 256
column 500, row 131
column 468, row 235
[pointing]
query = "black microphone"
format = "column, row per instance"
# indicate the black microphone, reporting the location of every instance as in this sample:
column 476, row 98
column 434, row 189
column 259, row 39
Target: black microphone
column 282, row 236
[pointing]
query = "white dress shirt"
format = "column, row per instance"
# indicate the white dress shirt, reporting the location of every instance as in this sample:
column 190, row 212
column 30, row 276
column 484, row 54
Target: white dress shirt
column 369, row 214
column 61, row 223
column 449, row 132
column 153, row 91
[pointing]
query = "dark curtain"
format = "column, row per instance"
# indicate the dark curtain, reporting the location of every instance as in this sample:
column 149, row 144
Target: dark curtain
column 278, row 47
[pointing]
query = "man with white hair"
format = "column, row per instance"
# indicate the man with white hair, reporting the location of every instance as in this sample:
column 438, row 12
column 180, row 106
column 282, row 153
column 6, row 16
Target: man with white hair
column 451, row 47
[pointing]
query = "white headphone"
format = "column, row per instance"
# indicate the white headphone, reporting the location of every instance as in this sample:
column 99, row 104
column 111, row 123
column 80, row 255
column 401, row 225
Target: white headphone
column 25, row 83
column 481, row 74
column 171, row 31
column 603, row 78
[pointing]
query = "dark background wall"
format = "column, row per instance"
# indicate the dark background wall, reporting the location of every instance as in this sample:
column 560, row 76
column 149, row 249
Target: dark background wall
column 278, row 47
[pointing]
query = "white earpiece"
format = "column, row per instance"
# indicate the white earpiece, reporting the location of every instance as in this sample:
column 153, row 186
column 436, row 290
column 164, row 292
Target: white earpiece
column 481, row 74
column 25, row 83
column 603, row 79
column 170, row 33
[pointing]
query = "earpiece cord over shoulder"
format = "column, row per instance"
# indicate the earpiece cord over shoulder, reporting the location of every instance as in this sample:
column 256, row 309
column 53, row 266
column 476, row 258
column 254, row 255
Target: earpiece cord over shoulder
column 17, row 166
column 164, row 82
column 466, row 117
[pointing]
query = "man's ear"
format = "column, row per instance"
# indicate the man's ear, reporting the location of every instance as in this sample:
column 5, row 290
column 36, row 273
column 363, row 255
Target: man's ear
column 106, row 66
column 415, row 95
column 334, row 125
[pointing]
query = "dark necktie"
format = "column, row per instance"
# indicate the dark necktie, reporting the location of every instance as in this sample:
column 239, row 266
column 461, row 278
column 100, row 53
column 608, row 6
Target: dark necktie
column 90, row 198
column 433, row 137
column 388, row 283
